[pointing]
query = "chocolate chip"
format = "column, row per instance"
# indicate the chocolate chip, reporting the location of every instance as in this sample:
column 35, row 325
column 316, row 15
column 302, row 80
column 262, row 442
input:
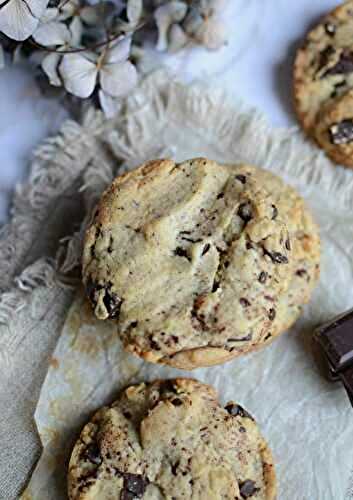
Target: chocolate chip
column 127, row 414
column 288, row 245
column 237, row 411
column 93, row 454
column 342, row 132
column 263, row 277
column 133, row 324
column 276, row 257
column 177, row 402
column 249, row 245
column 241, row 178
column 343, row 66
column 206, row 248
column 330, row 29
column 215, row 286
column 242, row 339
column 325, row 56
column 242, row 429
column 301, row 272
column 112, row 304
column 221, row 195
column 247, row 488
column 245, row 212
column 181, row 252
column 174, row 468
column 111, row 300
column 274, row 212
column 154, row 345
column 134, row 486
column 269, row 335
column 272, row 314
column 244, row 302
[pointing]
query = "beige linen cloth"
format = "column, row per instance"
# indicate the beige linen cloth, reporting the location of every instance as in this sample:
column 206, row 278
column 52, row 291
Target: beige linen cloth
column 40, row 251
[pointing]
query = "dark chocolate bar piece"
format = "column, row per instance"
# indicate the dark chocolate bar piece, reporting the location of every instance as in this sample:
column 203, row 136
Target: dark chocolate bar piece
column 336, row 339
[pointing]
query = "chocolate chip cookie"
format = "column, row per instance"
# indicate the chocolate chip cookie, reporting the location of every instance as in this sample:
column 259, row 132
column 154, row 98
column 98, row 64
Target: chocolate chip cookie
column 323, row 83
column 194, row 260
column 171, row 439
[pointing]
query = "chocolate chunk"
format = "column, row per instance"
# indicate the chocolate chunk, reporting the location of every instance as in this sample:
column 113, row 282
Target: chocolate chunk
column 237, row 411
column 134, row 486
column 93, row 454
column 242, row 339
column 330, row 29
column 206, row 249
column 168, row 386
column 181, row 252
column 276, row 257
column 245, row 211
column 241, row 178
column 177, row 402
column 215, row 286
column 325, row 56
column 272, row 314
column 275, row 212
column 244, row 302
column 263, row 277
column 288, row 245
column 301, row 272
column 111, row 300
column 220, row 195
column 112, row 303
column 342, row 132
column 343, row 66
column 247, row 488
column 268, row 336
column 336, row 338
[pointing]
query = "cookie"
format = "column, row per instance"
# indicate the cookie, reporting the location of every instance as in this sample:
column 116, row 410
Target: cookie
column 171, row 439
column 323, row 80
column 189, row 259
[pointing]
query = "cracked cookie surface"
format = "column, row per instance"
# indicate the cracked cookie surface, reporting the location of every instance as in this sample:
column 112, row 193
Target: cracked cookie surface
column 171, row 440
column 194, row 260
column 323, row 83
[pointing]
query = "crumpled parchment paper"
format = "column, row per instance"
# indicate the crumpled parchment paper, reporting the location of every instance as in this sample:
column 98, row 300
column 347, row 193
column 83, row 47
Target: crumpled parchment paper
column 307, row 421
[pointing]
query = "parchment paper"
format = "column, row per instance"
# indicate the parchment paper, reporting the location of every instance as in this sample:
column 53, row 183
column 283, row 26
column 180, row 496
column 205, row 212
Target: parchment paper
column 307, row 421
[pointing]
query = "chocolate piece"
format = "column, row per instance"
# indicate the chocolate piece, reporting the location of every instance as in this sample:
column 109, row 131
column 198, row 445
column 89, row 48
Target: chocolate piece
column 134, row 486
column 342, row 132
column 276, row 257
column 247, row 488
column 237, row 411
column 275, row 212
column 93, row 454
column 245, row 211
column 241, row 178
column 335, row 339
column 263, row 277
column 330, row 29
column 343, row 66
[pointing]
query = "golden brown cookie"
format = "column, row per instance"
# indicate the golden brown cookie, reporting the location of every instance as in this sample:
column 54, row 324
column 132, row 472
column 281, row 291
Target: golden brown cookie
column 171, row 439
column 195, row 261
column 323, row 80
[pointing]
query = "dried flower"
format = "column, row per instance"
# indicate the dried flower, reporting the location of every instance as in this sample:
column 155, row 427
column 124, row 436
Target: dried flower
column 84, row 46
column 19, row 18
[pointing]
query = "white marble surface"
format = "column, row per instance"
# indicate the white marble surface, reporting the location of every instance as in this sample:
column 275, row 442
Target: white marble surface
column 255, row 65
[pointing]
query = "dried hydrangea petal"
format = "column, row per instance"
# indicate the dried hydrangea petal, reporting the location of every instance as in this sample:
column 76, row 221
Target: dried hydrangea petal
column 79, row 74
column 211, row 34
column 50, row 65
column 119, row 51
column 19, row 18
column 134, row 10
column 52, row 34
column 165, row 16
column 177, row 38
column 118, row 79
